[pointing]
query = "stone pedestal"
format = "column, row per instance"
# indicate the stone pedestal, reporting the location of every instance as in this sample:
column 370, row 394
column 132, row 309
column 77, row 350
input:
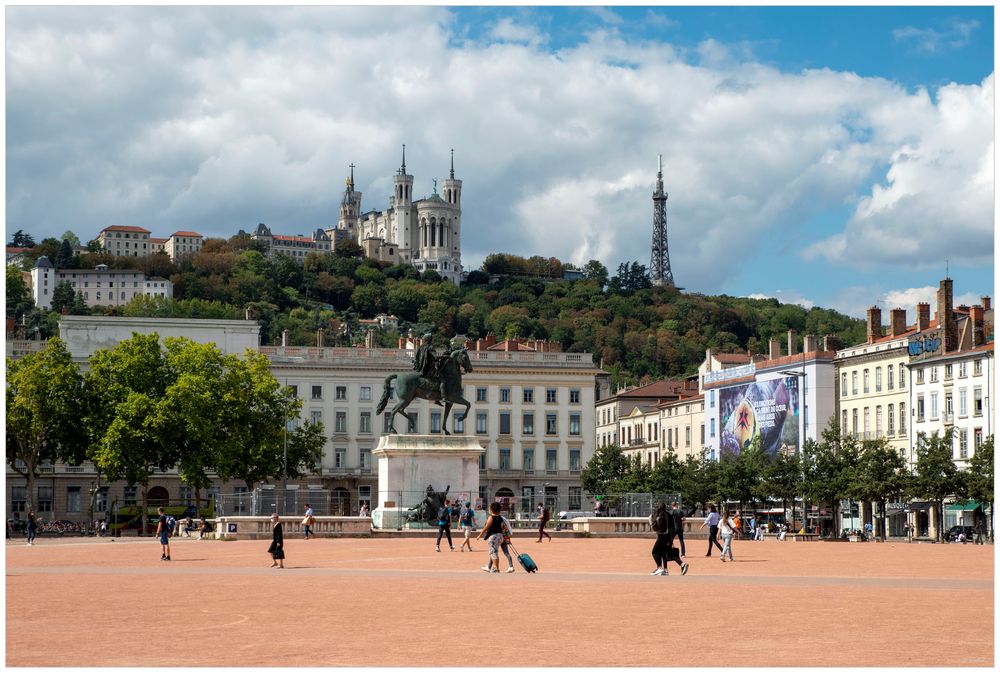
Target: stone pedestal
column 407, row 464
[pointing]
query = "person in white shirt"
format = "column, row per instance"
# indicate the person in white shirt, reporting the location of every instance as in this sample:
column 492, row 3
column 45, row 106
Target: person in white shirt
column 728, row 530
column 712, row 521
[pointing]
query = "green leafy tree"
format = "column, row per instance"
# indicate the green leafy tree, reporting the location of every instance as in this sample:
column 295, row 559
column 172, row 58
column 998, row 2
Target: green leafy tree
column 881, row 475
column 22, row 240
column 64, row 258
column 19, row 299
column 605, row 467
column 829, row 468
column 63, row 297
column 935, row 475
column 636, row 478
column 44, row 406
column 980, row 482
column 666, row 476
column 783, row 480
column 699, row 481
column 73, row 239
column 596, row 272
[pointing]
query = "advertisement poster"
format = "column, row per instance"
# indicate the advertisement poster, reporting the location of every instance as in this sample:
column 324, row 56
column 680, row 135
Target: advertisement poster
column 769, row 409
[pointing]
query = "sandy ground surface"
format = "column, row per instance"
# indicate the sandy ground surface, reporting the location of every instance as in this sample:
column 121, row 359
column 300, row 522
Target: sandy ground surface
column 395, row 602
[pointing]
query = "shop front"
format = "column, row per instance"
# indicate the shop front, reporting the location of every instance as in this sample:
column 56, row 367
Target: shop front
column 923, row 518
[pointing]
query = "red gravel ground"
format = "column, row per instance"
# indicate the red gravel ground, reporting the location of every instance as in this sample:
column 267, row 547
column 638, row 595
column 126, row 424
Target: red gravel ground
column 385, row 602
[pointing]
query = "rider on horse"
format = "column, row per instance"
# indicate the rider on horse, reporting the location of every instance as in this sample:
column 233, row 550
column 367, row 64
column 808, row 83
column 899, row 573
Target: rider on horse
column 428, row 364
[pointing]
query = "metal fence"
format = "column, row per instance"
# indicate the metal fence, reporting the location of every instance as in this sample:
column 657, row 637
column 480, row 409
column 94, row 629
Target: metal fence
column 266, row 501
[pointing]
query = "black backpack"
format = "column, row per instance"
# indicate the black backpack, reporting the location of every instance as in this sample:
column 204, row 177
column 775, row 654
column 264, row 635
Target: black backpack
column 444, row 515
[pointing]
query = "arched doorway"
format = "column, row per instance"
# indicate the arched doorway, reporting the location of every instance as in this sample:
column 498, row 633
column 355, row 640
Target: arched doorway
column 158, row 496
column 340, row 502
column 505, row 497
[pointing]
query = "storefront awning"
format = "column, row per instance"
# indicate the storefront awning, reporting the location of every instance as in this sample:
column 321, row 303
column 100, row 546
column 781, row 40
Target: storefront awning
column 919, row 506
column 964, row 506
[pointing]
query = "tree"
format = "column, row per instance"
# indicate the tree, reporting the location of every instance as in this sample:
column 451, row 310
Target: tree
column 666, row 475
column 22, row 240
column 73, row 239
column 980, row 484
column 783, row 480
column 44, row 407
column 597, row 272
column 349, row 248
column 19, row 299
column 935, row 474
column 828, row 469
column 880, row 475
column 64, row 258
column 605, row 467
column 63, row 297
column 699, row 481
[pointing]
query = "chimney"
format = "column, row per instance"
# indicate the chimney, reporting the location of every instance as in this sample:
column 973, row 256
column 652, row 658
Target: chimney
column 401, row 343
column 491, row 340
column 986, row 303
column 370, row 341
column 249, row 314
column 775, row 349
column 897, row 321
column 923, row 316
column 708, row 355
column 831, row 342
column 976, row 316
column 793, row 342
column 946, row 316
column 808, row 343
column 319, row 338
column 284, row 338
column 874, row 324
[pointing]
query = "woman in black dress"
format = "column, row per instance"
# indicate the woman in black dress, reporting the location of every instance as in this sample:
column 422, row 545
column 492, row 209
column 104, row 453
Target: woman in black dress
column 277, row 548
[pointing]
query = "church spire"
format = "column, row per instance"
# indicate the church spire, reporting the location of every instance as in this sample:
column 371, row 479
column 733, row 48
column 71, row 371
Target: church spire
column 402, row 169
column 453, row 164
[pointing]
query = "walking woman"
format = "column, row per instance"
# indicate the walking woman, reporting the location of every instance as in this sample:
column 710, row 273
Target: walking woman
column 727, row 528
column 493, row 534
column 663, row 549
column 32, row 527
column 277, row 548
column 712, row 521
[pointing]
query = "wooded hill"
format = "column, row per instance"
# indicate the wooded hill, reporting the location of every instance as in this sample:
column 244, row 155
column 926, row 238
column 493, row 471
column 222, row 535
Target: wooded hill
column 636, row 332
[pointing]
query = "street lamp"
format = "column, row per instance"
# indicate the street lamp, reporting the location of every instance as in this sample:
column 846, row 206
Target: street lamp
column 802, row 437
column 284, row 463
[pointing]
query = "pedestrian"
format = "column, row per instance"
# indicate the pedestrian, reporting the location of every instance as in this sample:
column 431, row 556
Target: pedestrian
column 205, row 529
column 467, row 520
column 737, row 524
column 753, row 527
column 32, row 527
column 507, row 531
column 307, row 522
column 782, row 530
column 712, row 521
column 760, row 533
column 493, row 534
column 104, row 527
column 543, row 518
column 678, row 516
column 727, row 528
column 163, row 532
column 444, row 525
column 364, row 510
column 277, row 548
column 980, row 531
column 663, row 551
column 868, row 531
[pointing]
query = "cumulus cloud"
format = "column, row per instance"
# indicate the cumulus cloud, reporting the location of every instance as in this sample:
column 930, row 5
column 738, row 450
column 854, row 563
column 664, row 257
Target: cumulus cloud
column 856, row 300
column 215, row 119
column 785, row 297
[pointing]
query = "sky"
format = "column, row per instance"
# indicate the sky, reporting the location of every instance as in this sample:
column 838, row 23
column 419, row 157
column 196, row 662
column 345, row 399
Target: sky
column 830, row 156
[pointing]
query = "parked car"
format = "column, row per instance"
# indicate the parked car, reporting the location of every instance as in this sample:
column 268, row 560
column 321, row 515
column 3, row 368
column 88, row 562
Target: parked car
column 954, row 531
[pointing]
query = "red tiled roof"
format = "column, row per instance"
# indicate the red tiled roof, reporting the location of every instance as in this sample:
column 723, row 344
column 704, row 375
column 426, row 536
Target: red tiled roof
column 187, row 233
column 910, row 331
column 656, row 389
column 120, row 227
column 157, row 240
column 12, row 250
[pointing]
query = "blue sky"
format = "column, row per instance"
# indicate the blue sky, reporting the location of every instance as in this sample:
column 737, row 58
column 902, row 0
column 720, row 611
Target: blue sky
column 831, row 156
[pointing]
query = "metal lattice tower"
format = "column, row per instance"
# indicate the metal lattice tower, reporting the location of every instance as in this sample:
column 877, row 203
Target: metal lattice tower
column 659, row 265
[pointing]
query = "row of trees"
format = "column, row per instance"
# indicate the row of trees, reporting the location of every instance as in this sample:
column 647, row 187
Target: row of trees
column 144, row 406
column 834, row 469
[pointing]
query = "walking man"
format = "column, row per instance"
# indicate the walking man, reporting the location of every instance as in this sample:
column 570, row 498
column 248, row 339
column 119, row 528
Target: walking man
column 444, row 526
column 307, row 522
column 712, row 521
column 543, row 518
column 163, row 532
column 32, row 528
column 678, row 517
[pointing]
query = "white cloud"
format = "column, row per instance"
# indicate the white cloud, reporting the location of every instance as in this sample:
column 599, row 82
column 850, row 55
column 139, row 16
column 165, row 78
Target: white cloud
column 855, row 301
column 785, row 297
column 215, row 119
column 954, row 35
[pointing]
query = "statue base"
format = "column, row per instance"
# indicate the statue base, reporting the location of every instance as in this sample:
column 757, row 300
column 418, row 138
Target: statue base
column 408, row 464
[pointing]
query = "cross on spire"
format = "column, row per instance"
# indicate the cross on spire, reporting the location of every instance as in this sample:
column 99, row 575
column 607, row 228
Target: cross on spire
column 452, row 164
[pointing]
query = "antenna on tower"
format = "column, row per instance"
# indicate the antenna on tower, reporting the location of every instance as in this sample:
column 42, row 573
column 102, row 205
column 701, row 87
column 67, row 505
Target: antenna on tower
column 659, row 266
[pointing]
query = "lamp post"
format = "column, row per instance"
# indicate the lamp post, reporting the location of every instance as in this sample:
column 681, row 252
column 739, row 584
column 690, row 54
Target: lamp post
column 284, row 462
column 802, row 409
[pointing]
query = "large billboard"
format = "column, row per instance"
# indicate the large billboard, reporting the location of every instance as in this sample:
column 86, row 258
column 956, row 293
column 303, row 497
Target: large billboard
column 769, row 409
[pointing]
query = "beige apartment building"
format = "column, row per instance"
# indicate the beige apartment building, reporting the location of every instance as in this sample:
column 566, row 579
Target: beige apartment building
column 682, row 424
column 126, row 241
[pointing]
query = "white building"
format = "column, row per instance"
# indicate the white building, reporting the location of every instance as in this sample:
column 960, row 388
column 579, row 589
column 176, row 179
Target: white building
column 100, row 286
column 125, row 241
column 296, row 247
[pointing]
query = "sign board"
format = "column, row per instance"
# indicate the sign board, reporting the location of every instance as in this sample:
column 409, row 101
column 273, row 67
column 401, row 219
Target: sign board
column 389, row 504
column 230, row 527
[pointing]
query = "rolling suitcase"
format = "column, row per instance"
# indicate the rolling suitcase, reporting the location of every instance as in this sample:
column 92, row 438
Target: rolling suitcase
column 525, row 560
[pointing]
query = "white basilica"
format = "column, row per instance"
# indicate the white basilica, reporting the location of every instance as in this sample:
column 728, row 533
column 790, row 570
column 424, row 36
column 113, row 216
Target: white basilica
column 424, row 233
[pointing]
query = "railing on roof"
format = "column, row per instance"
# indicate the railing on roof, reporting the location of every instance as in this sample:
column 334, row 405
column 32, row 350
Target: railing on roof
column 730, row 373
column 395, row 356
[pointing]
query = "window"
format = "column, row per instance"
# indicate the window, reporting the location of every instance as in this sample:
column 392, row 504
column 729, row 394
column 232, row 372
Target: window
column 934, row 405
column 317, row 392
column 574, row 397
column 920, row 375
column 711, row 395
column 687, row 435
column 528, row 424
column 843, row 383
column 550, row 424
column 459, row 422
column 18, row 497
column 130, row 496
column 878, row 379
column 866, row 378
column 504, row 422
column 294, row 390
column 550, row 460
column 948, row 372
column 480, row 394
column 574, row 424
column 315, row 417
column 550, row 395
column 890, row 424
column 902, row 376
column 366, row 422
column 529, row 460
column 702, row 434
column 574, row 460
column 411, row 417
column 576, row 497
column 978, row 438
column 711, row 427
column 854, row 383
column 528, row 395
column 482, row 467
column 341, row 392
column 44, row 499
column 386, row 420
column 977, row 367
column 480, row 423
column 505, row 394
column 854, row 421
column 242, row 504
column 366, row 460
column 504, row 459
column 920, row 407
column 366, row 393
column 187, row 495
column 101, row 502
column 843, row 421
column 949, row 407
column 963, row 369
column 340, row 458
column 73, row 499
column 340, row 422
column 963, row 444
column 888, row 377
column 902, row 418
column 934, row 374
column 878, row 421
column 977, row 400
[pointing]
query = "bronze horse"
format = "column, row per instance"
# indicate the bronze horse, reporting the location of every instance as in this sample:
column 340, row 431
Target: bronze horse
column 410, row 385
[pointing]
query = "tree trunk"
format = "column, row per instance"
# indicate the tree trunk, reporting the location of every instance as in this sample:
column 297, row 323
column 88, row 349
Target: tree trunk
column 145, row 507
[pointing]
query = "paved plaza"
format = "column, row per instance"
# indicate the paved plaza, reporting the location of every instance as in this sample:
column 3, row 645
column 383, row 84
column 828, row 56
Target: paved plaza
column 395, row 602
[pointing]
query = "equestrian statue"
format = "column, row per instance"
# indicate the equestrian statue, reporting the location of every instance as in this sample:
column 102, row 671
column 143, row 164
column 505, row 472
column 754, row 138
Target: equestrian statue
column 437, row 378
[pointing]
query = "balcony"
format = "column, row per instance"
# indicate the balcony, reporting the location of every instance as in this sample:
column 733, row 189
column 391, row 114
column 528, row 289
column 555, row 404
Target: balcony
column 949, row 419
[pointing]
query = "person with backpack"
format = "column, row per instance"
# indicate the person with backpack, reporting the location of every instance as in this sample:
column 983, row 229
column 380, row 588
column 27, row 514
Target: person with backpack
column 444, row 525
column 467, row 520
column 543, row 518
column 163, row 532
column 662, row 523
column 678, row 517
